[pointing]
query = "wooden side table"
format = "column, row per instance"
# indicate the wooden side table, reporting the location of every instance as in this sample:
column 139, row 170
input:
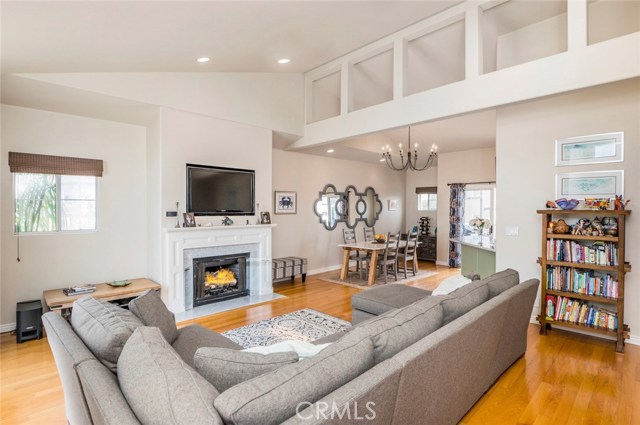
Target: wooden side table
column 57, row 301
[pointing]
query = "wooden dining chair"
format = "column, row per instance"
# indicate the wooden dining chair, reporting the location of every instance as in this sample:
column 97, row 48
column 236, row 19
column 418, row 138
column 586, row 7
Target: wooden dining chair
column 389, row 258
column 369, row 234
column 408, row 254
column 349, row 236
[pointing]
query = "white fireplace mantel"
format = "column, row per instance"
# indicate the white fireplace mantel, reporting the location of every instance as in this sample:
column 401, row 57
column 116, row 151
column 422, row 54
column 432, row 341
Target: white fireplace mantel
column 177, row 240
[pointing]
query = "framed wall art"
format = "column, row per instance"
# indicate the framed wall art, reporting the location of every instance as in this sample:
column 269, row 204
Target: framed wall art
column 285, row 203
column 593, row 184
column 594, row 149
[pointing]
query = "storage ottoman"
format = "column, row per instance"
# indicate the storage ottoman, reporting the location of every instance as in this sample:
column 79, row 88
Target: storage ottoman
column 288, row 267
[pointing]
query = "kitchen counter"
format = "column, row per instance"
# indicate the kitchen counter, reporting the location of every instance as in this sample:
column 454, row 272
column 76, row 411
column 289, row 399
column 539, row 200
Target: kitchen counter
column 478, row 255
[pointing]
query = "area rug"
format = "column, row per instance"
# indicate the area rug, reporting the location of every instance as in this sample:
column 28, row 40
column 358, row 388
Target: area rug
column 301, row 325
column 354, row 280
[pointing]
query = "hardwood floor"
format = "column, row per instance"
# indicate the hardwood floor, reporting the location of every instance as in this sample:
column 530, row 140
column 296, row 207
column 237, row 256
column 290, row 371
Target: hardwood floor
column 563, row 378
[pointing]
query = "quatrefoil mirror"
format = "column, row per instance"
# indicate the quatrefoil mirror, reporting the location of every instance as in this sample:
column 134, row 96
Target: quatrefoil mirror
column 349, row 207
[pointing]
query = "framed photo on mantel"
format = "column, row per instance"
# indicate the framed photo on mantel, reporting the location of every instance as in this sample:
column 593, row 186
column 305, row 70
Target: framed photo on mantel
column 285, row 202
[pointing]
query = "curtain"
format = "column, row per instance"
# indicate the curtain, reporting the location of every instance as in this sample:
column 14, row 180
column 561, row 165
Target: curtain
column 456, row 214
column 20, row 162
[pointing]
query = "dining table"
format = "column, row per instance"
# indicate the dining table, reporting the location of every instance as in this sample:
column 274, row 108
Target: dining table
column 374, row 248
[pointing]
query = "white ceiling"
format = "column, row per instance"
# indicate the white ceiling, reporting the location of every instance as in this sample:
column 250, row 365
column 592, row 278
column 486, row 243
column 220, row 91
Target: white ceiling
column 162, row 36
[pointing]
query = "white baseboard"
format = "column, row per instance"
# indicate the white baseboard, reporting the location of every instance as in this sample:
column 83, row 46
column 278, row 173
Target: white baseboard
column 442, row 263
column 324, row 269
column 7, row 327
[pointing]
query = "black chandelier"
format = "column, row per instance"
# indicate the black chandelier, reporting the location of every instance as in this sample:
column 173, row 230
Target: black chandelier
column 411, row 161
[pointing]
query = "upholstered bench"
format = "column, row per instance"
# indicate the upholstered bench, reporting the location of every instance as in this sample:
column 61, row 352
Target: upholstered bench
column 288, row 267
column 376, row 301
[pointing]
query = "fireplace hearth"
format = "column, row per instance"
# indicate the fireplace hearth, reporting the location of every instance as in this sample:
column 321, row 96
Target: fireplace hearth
column 219, row 278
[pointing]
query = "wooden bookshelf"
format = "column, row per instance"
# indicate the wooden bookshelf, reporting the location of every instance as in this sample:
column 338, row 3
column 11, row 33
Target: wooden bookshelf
column 617, row 271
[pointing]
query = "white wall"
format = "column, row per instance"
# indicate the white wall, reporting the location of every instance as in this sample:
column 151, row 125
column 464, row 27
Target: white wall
column 197, row 139
column 459, row 167
column 526, row 135
column 118, row 249
column 302, row 234
column 414, row 179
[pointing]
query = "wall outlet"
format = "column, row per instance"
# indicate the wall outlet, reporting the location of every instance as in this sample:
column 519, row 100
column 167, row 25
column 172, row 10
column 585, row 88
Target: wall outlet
column 172, row 213
column 511, row 231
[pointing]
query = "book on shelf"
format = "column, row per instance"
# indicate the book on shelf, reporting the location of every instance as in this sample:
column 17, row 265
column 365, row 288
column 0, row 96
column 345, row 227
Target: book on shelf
column 570, row 310
column 585, row 282
column 599, row 253
column 78, row 290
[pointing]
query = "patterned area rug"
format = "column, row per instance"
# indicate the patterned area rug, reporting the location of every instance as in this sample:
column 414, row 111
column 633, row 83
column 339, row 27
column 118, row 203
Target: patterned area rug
column 354, row 280
column 301, row 325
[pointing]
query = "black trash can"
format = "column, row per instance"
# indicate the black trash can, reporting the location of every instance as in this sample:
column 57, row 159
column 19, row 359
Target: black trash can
column 28, row 320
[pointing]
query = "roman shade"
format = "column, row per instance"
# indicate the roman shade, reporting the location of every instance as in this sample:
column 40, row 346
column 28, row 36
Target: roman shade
column 20, row 162
column 431, row 189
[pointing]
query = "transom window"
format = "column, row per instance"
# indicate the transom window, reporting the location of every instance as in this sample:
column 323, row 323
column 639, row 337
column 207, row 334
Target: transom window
column 54, row 203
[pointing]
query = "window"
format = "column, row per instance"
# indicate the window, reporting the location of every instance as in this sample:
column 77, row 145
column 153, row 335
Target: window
column 479, row 201
column 427, row 201
column 54, row 203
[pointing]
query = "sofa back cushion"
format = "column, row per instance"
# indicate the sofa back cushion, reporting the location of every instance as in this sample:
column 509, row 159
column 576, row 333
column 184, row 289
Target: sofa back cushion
column 102, row 393
column 397, row 329
column 224, row 367
column 501, row 281
column 463, row 300
column 103, row 327
column 150, row 309
column 274, row 397
column 159, row 386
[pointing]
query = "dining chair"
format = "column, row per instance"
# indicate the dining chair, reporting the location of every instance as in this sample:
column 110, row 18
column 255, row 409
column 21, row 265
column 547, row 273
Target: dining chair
column 349, row 236
column 408, row 254
column 369, row 234
column 389, row 258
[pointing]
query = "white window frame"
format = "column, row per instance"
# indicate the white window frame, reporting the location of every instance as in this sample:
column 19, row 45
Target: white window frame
column 428, row 201
column 58, row 209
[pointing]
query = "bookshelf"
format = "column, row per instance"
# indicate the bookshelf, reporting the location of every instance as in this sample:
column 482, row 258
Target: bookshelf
column 587, row 291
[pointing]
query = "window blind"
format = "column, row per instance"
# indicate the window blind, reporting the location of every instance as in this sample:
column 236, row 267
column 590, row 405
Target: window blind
column 20, row 162
column 431, row 189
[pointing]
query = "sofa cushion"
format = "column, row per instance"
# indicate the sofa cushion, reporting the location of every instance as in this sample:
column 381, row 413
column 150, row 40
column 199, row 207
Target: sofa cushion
column 159, row 386
column 500, row 282
column 397, row 329
column 150, row 309
column 224, row 367
column 192, row 337
column 103, row 327
column 384, row 298
column 463, row 300
column 273, row 397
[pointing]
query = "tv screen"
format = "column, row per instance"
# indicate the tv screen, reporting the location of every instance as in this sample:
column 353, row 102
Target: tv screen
column 220, row 191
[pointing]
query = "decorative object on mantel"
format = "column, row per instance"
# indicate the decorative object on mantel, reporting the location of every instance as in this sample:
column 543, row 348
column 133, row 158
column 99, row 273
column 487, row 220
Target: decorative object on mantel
column 189, row 220
column 285, row 202
column 551, row 205
column 597, row 203
column 177, row 215
column 226, row 221
column 561, row 227
column 411, row 161
column 567, row 204
column 618, row 204
column 265, row 218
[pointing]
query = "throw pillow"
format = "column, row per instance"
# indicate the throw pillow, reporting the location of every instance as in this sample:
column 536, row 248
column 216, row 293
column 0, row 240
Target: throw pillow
column 303, row 349
column 149, row 308
column 103, row 327
column 272, row 398
column 224, row 367
column 160, row 387
column 450, row 284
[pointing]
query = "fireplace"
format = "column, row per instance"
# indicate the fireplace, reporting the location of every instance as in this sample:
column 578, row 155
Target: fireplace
column 219, row 278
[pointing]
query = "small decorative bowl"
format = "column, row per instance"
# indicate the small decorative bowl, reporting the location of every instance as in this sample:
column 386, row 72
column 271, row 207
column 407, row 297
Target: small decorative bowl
column 380, row 240
column 119, row 283
column 567, row 204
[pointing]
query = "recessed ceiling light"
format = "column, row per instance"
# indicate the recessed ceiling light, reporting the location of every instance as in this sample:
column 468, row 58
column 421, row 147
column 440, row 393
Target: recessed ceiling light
column 331, row 151
column 284, row 60
column 204, row 59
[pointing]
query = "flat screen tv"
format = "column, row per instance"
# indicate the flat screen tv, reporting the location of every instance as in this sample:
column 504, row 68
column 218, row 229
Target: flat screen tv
column 220, row 191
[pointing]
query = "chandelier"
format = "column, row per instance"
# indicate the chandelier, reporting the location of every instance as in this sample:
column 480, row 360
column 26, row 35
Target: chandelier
column 411, row 161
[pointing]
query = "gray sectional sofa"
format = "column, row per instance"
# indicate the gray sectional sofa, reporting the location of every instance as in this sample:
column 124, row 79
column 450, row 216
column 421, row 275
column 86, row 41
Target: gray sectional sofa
column 426, row 362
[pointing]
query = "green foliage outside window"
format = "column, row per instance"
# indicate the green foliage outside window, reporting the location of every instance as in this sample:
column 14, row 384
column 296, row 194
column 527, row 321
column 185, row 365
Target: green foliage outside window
column 35, row 203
